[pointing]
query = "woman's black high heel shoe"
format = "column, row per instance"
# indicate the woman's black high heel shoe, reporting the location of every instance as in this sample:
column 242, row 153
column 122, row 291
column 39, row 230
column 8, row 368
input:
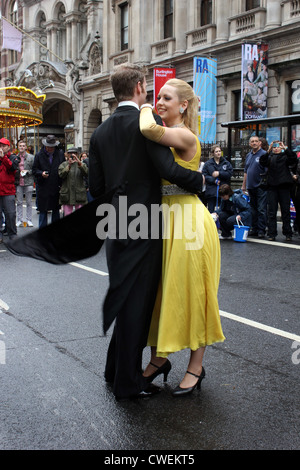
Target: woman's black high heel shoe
column 164, row 369
column 180, row 392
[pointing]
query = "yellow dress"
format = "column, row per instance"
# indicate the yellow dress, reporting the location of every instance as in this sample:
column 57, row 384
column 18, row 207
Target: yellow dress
column 186, row 312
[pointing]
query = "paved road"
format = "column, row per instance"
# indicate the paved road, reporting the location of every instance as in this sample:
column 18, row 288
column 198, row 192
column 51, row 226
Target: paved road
column 52, row 355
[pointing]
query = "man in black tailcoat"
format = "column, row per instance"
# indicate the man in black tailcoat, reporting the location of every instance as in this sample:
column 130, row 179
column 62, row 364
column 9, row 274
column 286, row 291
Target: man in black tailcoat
column 124, row 161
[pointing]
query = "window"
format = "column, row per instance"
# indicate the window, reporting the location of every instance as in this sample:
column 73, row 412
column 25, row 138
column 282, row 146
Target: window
column 250, row 4
column 13, row 55
column 168, row 19
column 237, row 105
column 124, row 26
column 206, row 12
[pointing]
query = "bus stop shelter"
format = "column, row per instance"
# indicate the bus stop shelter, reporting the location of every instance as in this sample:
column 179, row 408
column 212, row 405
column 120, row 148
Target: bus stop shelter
column 283, row 128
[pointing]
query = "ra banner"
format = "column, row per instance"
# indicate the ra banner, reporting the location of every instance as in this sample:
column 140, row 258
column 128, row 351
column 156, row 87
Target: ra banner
column 161, row 76
column 254, row 81
column 205, row 88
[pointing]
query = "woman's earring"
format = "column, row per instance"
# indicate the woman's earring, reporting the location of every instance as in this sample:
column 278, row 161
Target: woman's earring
column 181, row 110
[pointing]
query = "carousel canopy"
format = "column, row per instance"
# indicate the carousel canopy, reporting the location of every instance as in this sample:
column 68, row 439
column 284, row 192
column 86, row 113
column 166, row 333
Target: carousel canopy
column 20, row 106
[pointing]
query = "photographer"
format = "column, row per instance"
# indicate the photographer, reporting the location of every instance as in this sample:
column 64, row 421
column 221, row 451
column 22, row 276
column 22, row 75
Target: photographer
column 73, row 172
column 278, row 159
column 8, row 166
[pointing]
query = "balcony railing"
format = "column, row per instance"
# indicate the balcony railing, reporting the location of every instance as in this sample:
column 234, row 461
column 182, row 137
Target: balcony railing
column 291, row 11
column 162, row 49
column 203, row 36
column 252, row 21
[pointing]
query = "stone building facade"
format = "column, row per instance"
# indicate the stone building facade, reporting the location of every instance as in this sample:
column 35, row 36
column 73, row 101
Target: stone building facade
column 78, row 42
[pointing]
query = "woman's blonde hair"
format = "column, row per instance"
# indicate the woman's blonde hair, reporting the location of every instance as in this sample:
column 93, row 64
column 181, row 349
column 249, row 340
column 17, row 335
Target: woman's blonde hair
column 185, row 92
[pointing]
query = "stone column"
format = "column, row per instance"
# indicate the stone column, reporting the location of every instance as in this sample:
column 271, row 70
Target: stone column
column 220, row 16
column 273, row 14
column 180, row 25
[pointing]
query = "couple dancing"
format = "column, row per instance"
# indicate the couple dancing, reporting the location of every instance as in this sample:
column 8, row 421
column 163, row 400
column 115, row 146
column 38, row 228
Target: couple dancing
column 159, row 292
column 166, row 294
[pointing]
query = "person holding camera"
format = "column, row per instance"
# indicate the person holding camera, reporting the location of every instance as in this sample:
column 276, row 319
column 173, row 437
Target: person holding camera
column 278, row 159
column 73, row 173
column 48, row 182
column 8, row 167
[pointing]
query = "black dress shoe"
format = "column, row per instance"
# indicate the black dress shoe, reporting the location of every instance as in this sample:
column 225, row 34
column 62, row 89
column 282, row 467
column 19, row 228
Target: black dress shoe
column 149, row 391
column 180, row 392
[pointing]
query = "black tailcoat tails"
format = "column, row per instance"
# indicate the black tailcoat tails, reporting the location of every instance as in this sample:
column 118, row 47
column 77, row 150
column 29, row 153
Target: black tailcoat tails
column 124, row 167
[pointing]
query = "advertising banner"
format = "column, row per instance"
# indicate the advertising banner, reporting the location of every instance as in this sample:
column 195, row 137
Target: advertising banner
column 254, row 81
column 205, row 88
column 161, row 76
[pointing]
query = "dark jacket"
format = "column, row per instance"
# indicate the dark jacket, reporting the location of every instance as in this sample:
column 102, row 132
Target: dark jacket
column 224, row 167
column 237, row 204
column 47, row 188
column 8, row 167
column 279, row 173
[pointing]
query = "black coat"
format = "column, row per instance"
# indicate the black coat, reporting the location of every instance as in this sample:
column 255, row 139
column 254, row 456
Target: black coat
column 279, row 172
column 47, row 188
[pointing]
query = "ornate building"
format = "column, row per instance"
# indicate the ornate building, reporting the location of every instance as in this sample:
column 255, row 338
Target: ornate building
column 72, row 45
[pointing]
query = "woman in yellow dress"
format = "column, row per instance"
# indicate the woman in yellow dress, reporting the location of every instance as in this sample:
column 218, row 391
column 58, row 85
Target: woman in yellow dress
column 186, row 314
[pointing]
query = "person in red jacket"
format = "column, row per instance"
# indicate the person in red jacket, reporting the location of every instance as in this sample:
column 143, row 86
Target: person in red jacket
column 8, row 167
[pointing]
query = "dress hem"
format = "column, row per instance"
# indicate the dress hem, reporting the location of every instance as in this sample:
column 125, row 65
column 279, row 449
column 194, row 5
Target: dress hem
column 201, row 345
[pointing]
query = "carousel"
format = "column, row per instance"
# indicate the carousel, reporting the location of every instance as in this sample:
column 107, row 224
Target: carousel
column 20, row 108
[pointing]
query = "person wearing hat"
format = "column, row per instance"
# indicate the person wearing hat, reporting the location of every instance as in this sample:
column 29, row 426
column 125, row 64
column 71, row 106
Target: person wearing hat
column 8, row 167
column 73, row 173
column 48, row 182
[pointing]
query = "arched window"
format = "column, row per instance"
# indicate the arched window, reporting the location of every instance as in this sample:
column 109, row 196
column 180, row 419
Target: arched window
column 61, row 33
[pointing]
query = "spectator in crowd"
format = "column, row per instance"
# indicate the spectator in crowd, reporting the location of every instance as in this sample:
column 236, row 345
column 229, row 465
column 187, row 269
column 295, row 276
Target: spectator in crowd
column 48, row 182
column 84, row 157
column 73, row 189
column 253, row 172
column 8, row 167
column 278, row 159
column 295, row 194
column 234, row 207
column 217, row 171
column 24, row 182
